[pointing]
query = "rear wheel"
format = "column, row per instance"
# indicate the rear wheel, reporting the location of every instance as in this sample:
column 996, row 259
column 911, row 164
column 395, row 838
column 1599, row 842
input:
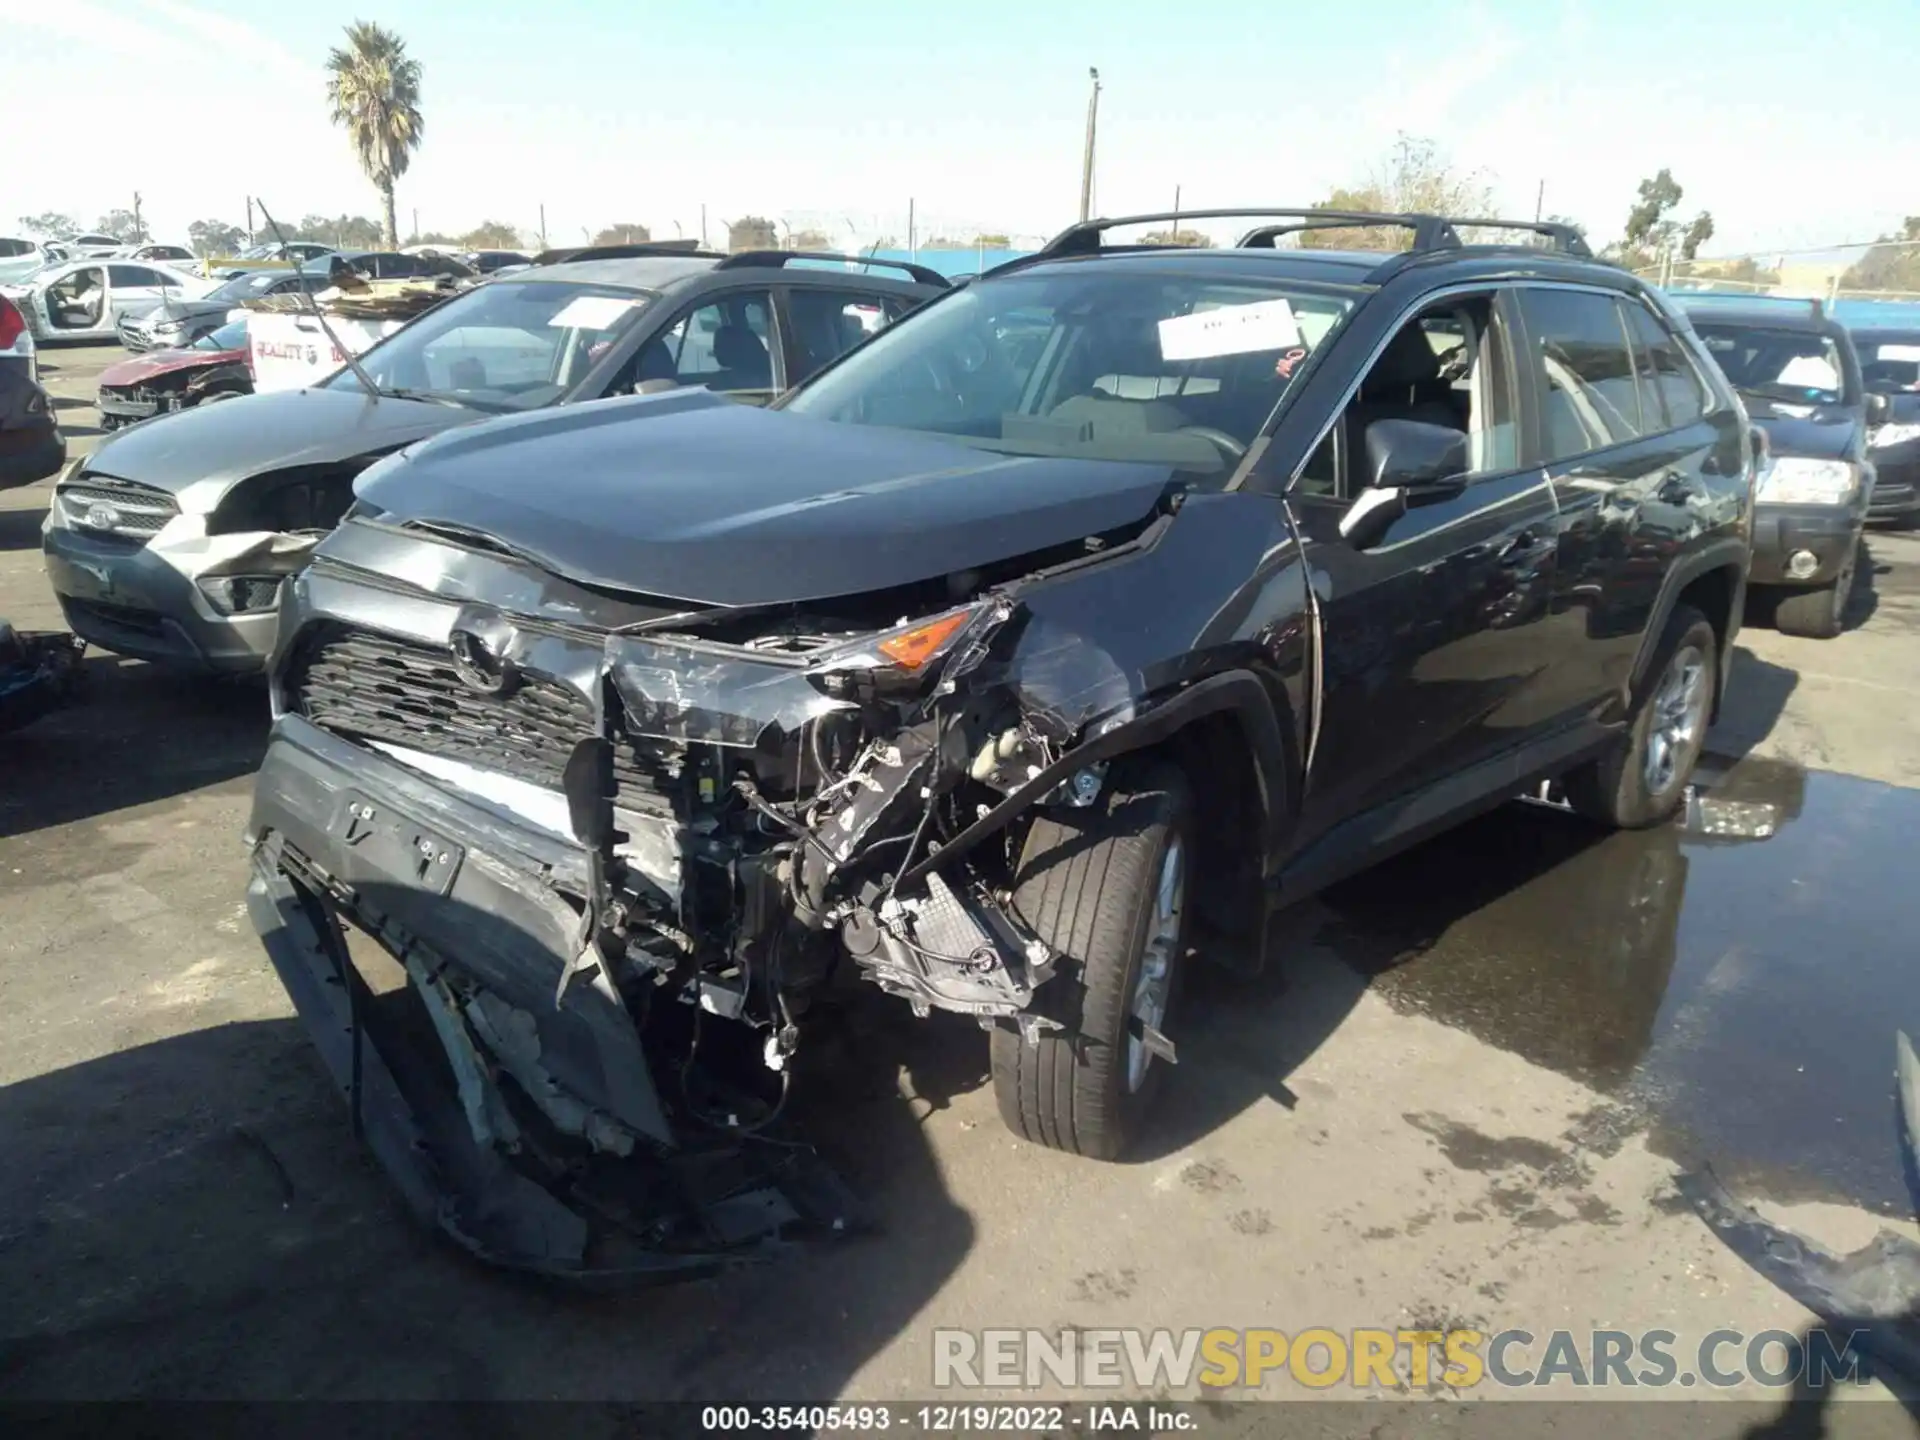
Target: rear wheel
column 1817, row 614
column 1642, row 781
column 1106, row 889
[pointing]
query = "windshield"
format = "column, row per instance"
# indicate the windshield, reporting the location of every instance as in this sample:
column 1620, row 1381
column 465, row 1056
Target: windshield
column 231, row 336
column 1791, row 365
column 1889, row 364
column 506, row 345
column 247, row 287
column 1177, row 369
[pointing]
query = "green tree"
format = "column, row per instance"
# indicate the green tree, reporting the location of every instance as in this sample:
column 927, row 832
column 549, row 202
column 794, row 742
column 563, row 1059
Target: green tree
column 1184, row 239
column 492, row 235
column 1893, row 263
column 215, row 237
column 752, row 232
column 52, row 224
column 1651, row 230
column 1415, row 177
column 809, row 239
column 631, row 233
column 993, row 242
column 374, row 88
column 122, row 225
column 434, row 237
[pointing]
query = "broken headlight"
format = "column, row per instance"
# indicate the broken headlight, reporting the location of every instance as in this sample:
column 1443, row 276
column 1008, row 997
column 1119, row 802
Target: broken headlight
column 241, row 594
column 913, row 649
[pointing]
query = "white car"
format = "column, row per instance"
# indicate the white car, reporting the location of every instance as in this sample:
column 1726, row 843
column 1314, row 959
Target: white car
column 93, row 245
column 20, row 257
column 176, row 255
column 86, row 299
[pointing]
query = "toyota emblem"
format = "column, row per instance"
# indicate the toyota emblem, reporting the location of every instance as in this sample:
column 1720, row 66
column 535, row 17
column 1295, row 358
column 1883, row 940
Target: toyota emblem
column 480, row 668
column 102, row 516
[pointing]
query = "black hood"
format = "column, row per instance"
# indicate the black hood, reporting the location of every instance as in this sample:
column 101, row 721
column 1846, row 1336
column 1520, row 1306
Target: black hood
column 1827, row 432
column 697, row 499
column 215, row 446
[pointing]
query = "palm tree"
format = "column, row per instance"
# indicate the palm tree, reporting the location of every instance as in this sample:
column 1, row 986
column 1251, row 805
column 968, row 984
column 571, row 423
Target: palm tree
column 375, row 90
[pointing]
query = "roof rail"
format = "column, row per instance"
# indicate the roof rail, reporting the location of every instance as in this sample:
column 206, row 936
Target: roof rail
column 777, row 258
column 1430, row 232
column 629, row 251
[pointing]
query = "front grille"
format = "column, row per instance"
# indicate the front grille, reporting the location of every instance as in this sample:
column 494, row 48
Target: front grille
column 368, row 686
column 135, row 512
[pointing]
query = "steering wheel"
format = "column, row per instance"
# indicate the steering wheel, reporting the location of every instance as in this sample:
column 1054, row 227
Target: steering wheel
column 1231, row 447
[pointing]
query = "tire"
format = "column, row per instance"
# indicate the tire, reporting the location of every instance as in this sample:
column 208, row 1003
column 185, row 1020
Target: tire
column 1089, row 885
column 1642, row 780
column 1818, row 614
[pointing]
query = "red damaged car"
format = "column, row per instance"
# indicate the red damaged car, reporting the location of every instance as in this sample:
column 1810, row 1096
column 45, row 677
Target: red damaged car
column 217, row 366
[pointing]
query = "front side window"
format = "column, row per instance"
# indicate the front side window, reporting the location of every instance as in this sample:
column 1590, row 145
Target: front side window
column 1181, row 370
column 828, row 323
column 726, row 344
column 1795, row 366
column 1583, row 364
column 506, row 345
column 1444, row 367
column 1889, row 364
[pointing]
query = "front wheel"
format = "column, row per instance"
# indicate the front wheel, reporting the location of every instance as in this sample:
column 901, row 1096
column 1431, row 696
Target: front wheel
column 1106, row 889
column 1641, row 782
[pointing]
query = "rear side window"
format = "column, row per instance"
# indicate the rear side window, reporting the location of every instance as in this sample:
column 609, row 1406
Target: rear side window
column 14, row 247
column 1670, row 386
column 1583, row 364
column 134, row 276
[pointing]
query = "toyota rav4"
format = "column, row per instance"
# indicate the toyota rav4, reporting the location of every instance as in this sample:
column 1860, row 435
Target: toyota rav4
column 1119, row 588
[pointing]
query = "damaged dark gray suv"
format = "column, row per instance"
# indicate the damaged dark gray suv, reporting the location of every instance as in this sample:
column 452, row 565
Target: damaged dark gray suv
column 1118, row 590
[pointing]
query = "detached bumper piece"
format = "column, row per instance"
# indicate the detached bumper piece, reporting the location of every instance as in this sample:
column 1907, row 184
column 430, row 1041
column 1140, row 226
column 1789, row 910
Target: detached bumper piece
column 38, row 674
column 514, row 1110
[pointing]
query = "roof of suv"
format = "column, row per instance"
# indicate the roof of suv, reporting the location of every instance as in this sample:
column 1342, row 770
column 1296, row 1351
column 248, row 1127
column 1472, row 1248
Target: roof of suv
column 1760, row 311
column 657, row 272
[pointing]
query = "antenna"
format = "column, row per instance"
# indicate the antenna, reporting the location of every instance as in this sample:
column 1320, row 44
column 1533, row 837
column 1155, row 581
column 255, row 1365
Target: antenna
column 353, row 363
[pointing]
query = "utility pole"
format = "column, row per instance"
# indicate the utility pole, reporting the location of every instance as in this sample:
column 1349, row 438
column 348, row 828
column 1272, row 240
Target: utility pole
column 416, row 223
column 249, row 221
column 543, row 226
column 1539, row 201
column 1086, row 159
column 703, row 226
column 913, row 248
column 139, row 230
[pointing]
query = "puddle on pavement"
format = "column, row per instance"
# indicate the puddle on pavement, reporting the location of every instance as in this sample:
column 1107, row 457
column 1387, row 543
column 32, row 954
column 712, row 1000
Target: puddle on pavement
column 1734, row 980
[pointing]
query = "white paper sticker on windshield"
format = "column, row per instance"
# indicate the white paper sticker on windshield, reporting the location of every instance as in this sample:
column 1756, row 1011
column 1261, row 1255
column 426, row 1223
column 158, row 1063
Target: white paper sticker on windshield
column 1229, row 330
column 1908, row 353
column 591, row 312
column 1815, row 372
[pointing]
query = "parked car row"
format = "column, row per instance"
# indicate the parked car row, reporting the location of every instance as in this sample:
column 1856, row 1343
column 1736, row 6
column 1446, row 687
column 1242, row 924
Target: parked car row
column 658, row 626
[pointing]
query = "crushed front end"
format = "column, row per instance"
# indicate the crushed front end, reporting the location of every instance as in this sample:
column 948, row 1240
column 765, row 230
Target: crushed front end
column 619, row 849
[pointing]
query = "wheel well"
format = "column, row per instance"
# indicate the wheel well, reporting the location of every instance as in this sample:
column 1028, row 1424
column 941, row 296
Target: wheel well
column 1712, row 594
column 1229, row 834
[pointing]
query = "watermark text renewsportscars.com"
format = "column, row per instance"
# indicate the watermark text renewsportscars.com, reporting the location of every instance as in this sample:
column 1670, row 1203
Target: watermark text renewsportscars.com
column 1365, row 1359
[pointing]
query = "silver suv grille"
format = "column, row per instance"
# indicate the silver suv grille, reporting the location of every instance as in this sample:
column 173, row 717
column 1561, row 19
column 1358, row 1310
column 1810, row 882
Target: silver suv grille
column 105, row 506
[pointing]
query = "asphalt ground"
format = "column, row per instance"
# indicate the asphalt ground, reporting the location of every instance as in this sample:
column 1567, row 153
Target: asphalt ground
column 1462, row 1099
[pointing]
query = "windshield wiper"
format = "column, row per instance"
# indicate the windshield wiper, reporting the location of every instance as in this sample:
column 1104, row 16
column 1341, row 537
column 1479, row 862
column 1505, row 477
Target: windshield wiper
column 430, row 397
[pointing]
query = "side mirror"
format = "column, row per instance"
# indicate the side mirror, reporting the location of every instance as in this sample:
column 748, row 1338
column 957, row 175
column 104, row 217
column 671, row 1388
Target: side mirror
column 1413, row 455
column 1409, row 463
column 1879, row 408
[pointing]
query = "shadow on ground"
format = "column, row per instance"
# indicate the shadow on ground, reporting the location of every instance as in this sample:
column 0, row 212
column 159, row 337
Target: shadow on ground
column 221, row 1235
column 20, row 529
column 135, row 733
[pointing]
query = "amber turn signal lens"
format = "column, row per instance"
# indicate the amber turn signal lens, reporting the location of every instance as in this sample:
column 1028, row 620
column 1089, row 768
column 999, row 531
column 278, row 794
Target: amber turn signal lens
column 912, row 649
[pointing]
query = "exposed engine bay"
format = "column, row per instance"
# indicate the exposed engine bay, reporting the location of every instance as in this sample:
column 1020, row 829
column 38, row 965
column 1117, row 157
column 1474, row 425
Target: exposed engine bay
column 625, row 857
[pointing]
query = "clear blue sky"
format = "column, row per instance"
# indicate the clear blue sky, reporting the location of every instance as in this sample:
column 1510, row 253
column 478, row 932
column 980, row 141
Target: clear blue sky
column 1788, row 124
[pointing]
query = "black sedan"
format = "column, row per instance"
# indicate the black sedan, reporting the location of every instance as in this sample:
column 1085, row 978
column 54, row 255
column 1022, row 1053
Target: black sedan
column 31, row 445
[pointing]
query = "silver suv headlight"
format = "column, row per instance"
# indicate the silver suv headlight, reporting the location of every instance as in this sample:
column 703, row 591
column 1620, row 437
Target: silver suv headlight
column 1797, row 480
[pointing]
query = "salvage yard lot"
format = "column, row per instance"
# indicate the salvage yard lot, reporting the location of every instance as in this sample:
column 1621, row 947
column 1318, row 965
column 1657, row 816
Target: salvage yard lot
column 1460, row 1098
